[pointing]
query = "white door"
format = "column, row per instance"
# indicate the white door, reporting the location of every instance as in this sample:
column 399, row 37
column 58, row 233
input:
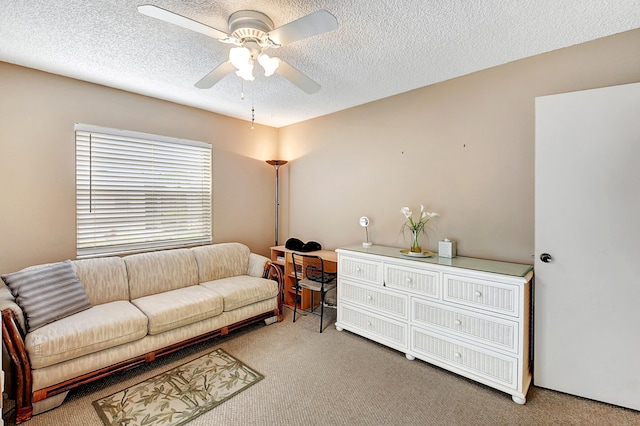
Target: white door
column 587, row 216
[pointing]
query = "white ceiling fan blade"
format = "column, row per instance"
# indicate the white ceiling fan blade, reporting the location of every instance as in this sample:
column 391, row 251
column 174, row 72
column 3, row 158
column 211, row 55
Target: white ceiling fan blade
column 215, row 76
column 316, row 23
column 181, row 21
column 297, row 78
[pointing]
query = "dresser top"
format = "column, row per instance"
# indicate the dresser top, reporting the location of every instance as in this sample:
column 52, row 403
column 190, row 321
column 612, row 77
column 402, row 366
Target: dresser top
column 493, row 266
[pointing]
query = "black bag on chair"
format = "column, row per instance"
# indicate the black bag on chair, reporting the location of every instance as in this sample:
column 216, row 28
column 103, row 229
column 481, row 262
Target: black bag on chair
column 313, row 273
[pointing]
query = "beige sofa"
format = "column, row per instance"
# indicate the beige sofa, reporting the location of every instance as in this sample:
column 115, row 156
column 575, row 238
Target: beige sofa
column 142, row 306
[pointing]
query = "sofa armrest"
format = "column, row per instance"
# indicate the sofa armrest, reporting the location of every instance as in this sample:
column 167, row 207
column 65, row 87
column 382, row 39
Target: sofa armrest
column 257, row 265
column 261, row 266
column 17, row 312
column 273, row 272
column 13, row 339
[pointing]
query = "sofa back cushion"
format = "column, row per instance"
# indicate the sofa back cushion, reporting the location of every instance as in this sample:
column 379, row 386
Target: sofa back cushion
column 223, row 260
column 104, row 279
column 160, row 271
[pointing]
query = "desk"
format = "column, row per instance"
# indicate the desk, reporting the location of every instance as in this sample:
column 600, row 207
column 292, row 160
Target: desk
column 281, row 256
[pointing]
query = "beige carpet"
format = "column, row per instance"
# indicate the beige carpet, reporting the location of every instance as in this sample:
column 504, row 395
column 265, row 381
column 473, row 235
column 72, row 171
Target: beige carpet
column 338, row 378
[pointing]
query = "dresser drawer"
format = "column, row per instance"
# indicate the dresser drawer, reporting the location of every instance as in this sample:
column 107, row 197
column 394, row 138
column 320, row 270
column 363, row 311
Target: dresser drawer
column 374, row 298
column 378, row 328
column 487, row 295
column 360, row 269
column 425, row 283
column 499, row 333
column 493, row 366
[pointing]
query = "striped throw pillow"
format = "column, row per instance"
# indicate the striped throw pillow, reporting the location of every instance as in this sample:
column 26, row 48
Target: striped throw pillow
column 48, row 293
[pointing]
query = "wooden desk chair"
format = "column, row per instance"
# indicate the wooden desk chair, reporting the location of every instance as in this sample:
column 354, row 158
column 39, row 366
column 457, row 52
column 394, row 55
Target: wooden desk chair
column 310, row 273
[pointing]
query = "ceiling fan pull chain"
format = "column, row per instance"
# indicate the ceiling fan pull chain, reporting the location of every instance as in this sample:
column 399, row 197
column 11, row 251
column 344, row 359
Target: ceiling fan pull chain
column 253, row 115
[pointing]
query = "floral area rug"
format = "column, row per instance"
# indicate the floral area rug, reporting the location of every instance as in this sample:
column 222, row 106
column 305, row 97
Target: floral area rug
column 179, row 395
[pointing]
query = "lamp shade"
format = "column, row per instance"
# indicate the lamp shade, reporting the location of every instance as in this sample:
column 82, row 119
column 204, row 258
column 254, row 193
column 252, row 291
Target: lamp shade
column 269, row 64
column 239, row 57
column 246, row 72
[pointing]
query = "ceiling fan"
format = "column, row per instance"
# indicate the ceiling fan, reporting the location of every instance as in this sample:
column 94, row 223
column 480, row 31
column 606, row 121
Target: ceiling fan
column 252, row 34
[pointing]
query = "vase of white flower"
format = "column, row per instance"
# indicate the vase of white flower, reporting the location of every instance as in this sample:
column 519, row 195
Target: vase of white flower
column 416, row 226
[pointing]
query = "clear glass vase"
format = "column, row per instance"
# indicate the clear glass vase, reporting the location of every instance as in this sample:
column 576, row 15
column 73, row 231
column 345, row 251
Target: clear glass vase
column 415, row 243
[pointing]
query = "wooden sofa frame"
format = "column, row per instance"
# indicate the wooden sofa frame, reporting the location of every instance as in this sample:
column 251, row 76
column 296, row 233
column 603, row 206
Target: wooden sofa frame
column 13, row 338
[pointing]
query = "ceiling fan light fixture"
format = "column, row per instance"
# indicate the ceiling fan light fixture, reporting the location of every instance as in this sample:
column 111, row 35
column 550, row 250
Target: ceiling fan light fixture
column 253, row 32
column 269, row 64
column 240, row 57
column 246, row 72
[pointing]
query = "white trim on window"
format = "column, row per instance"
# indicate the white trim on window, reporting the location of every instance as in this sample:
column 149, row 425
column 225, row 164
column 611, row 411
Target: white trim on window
column 140, row 192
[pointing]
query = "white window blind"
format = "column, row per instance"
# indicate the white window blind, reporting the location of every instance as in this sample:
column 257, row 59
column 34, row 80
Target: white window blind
column 138, row 192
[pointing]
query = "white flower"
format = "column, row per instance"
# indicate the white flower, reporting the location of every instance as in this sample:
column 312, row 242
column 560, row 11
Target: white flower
column 417, row 225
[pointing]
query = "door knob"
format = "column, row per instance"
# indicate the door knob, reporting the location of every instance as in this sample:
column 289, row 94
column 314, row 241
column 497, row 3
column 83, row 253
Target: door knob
column 545, row 257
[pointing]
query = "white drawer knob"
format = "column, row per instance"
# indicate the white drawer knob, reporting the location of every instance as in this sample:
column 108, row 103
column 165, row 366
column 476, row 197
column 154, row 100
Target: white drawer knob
column 369, row 297
column 457, row 322
column 369, row 324
column 358, row 269
column 457, row 355
column 477, row 293
column 409, row 280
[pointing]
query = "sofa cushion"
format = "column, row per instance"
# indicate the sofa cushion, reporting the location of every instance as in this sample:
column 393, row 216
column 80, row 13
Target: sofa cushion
column 100, row 327
column 221, row 261
column 103, row 278
column 160, row 271
column 175, row 308
column 243, row 290
column 47, row 293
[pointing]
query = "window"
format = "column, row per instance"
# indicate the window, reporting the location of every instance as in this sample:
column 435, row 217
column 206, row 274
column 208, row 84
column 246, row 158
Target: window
column 138, row 192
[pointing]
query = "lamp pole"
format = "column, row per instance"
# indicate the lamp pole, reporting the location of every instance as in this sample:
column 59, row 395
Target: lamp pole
column 277, row 164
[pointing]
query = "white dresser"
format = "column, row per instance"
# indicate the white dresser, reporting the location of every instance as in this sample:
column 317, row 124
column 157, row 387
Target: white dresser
column 469, row 316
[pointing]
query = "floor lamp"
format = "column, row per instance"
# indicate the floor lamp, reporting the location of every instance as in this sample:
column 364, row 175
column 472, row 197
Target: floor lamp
column 277, row 164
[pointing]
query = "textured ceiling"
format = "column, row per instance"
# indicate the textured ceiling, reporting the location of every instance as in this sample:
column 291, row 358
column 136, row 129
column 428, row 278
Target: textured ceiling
column 380, row 49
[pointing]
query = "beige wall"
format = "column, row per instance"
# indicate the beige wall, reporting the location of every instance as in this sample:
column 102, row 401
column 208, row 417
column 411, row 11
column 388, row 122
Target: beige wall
column 37, row 162
column 464, row 148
